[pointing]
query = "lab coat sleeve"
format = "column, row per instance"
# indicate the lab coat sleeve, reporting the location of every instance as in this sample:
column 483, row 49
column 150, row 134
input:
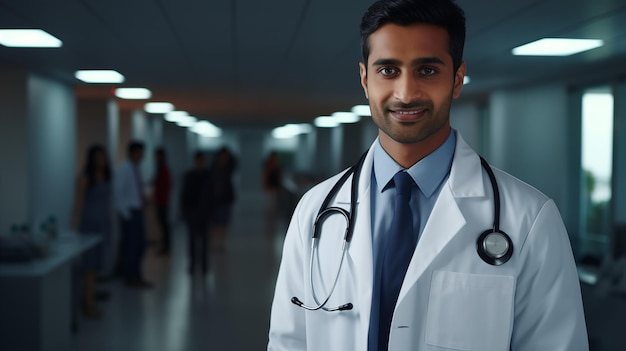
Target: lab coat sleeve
column 548, row 309
column 287, row 322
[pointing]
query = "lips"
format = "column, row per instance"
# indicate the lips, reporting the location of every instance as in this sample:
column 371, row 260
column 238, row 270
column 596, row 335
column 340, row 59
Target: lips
column 409, row 115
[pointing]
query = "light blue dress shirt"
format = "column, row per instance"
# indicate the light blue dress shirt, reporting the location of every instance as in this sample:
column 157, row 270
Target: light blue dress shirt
column 430, row 173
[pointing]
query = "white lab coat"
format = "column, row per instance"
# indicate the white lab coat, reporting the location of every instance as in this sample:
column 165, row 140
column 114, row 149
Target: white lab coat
column 450, row 299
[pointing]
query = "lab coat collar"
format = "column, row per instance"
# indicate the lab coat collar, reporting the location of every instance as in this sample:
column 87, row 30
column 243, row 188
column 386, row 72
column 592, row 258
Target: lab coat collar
column 445, row 221
column 446, row 218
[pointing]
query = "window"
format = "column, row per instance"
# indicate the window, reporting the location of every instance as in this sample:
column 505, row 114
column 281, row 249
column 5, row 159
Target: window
column 597, row 168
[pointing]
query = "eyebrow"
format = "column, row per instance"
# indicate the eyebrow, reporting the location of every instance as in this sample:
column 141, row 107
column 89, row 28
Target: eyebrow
column 416, row 62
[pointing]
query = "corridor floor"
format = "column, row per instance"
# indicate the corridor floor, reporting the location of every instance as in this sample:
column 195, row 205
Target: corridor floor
column 226, row 310
column 229, row 308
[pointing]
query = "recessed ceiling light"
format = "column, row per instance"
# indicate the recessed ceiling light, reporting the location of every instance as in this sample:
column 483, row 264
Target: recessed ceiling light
column 186, row 121
column 325, row 122
column 346, row 117
column 291, row 130
column 175, row 116
column 158, row 107
column 28, row 38
column 206, row 129
column 362, row 110
column 99, row 76
column 557, row 47
column 133, row 93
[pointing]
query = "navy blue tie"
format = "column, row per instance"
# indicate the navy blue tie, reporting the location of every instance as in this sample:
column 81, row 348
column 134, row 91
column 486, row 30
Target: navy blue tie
column 398, row 252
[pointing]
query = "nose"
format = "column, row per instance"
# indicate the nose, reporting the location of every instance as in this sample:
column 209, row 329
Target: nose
column 406, row 89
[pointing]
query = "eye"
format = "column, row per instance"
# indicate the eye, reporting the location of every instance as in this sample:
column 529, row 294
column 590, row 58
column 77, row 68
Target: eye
column 427, row 71
column 388, row 71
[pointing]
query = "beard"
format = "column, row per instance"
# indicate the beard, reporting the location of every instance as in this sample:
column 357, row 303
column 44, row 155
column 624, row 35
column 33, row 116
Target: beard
column 411, row 132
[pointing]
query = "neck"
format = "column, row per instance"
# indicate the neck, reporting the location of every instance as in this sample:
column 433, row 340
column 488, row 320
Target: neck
column 406, row 155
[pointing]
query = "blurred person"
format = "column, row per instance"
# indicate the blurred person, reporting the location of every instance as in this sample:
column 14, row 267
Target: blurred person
column 92, row 215
column 162, row 187
column 272, row 181
column 440, row 250
column 195, row 207
column 130, row 202
column 222, row 194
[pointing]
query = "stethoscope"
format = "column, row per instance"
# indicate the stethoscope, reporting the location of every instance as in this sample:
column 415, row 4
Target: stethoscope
column 494, row 246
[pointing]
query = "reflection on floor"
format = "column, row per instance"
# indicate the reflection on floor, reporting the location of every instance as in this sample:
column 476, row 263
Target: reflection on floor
column 229, row 308
column 226, row 310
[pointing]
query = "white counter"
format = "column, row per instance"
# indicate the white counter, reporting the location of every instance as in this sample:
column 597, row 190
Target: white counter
column 35, row 297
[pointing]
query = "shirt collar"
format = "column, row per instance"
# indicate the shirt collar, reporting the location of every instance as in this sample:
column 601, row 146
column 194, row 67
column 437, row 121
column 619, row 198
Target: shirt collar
column 428, row 173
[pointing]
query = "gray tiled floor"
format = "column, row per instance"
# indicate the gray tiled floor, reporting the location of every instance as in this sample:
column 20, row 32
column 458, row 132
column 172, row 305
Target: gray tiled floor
column 229, row 309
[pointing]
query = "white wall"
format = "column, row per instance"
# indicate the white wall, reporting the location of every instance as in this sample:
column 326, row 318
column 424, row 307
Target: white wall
column 529, row 137
column 37, row 153
column 92, row 127
column 13, row 150
column 305, row 152
column 51, row 124
column 142, row 130
column 467, row 120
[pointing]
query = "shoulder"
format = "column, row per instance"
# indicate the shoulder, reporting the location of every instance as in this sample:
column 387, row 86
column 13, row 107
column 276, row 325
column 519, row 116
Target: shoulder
column 511, row 183
column 516, row 194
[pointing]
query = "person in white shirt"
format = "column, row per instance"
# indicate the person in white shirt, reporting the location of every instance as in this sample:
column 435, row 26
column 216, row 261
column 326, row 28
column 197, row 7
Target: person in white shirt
column 129, row 204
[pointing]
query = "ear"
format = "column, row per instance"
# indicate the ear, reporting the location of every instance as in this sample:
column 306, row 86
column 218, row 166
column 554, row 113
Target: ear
column 459, row 76
column 363, row 73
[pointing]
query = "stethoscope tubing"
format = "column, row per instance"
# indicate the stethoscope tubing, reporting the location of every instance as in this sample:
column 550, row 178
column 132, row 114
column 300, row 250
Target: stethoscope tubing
column 350, row 217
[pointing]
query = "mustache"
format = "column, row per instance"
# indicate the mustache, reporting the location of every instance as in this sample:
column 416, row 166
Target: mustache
column 410, row 105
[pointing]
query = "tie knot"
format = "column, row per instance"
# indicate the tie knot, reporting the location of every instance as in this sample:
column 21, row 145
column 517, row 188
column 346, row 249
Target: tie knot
column 403, row 183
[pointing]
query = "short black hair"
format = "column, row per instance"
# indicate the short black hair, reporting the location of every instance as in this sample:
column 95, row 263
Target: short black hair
column 198, row 155
column 90, row 164
column 135, row 145
column 160, row 152
column 442, row 13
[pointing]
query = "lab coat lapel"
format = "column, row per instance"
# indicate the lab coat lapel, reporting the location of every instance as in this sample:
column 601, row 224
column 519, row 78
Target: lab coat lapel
column 360, row 248
column 446, row 218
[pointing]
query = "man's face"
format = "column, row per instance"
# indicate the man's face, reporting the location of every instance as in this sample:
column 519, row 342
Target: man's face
column 410, row 82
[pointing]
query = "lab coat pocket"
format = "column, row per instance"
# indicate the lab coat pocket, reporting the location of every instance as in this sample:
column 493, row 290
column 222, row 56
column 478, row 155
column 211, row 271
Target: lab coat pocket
column 470, row 311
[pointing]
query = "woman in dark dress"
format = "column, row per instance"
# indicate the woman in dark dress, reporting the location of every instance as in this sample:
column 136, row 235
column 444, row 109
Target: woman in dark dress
column 92, row 214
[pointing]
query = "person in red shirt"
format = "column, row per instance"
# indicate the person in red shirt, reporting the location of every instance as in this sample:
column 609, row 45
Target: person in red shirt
column 162, row 187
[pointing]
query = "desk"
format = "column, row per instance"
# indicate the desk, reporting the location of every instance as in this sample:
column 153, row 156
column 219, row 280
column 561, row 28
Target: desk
column 35, row 297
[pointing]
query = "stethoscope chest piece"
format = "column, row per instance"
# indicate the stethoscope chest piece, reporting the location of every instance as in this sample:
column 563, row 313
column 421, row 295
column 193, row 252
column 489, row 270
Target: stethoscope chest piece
column 494, row 247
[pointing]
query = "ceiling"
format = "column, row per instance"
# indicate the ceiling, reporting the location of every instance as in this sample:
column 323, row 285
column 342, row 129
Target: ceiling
column 271, row 62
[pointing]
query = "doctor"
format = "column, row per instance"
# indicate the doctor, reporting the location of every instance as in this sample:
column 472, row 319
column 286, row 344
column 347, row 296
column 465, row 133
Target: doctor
column 414, row 275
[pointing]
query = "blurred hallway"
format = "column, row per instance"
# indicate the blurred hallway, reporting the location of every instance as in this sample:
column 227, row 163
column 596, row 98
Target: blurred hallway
column 227, row 310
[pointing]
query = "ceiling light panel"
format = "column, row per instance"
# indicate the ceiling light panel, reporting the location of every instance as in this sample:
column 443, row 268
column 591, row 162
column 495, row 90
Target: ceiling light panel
column 28, row 38
column 175, row 116
column 557, row 47
column 99, row 76
column 325, row 122
column 362, row 110
column 158, row 107
column 346, row 117
column 133, row 93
